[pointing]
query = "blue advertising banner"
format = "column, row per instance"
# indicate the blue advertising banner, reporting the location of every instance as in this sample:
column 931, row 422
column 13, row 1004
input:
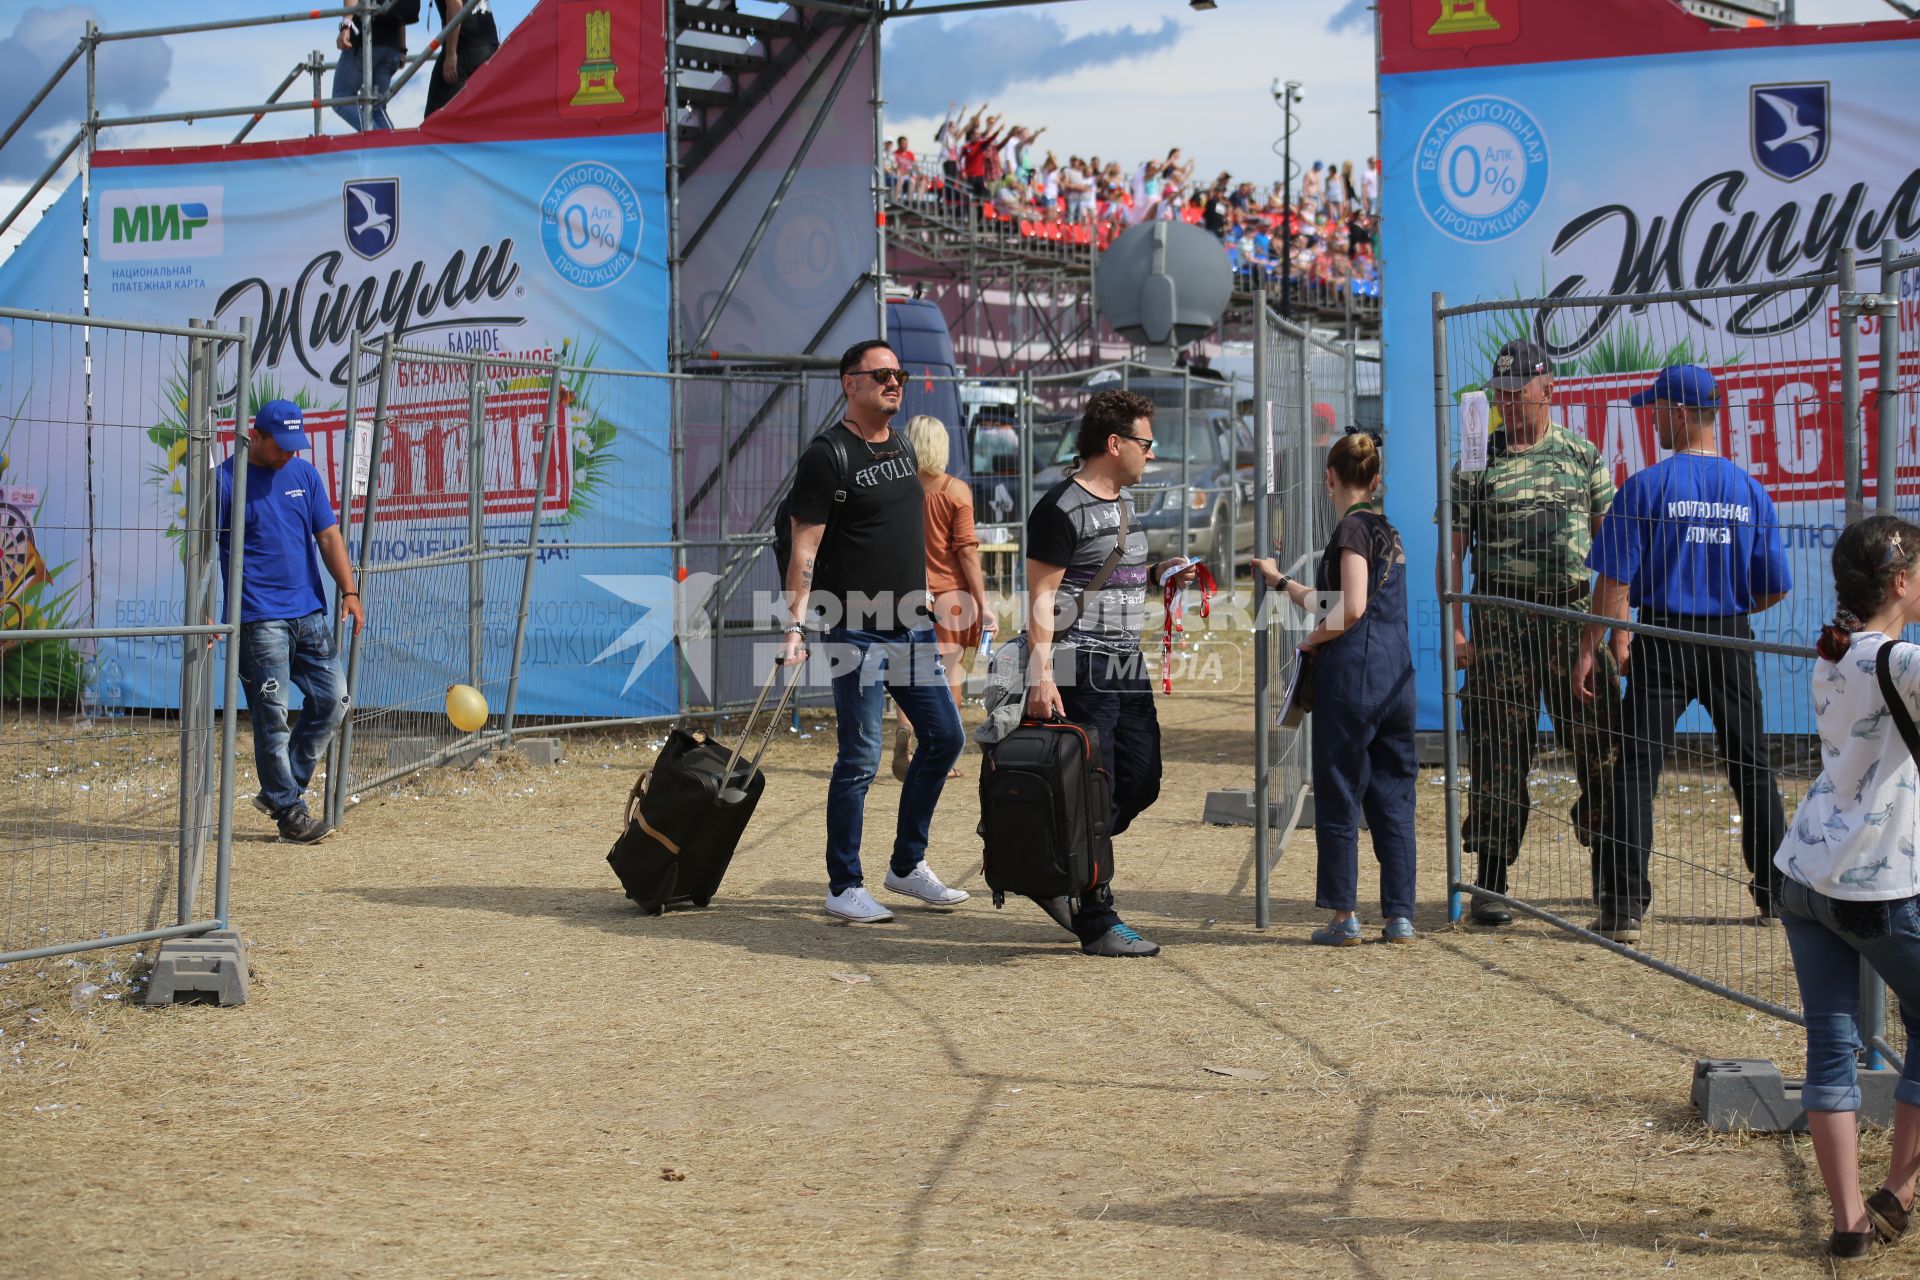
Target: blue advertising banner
column 521, row 249
column 1522, row 158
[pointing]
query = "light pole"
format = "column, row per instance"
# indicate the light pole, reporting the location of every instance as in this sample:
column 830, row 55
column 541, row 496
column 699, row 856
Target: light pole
column 1286, row 95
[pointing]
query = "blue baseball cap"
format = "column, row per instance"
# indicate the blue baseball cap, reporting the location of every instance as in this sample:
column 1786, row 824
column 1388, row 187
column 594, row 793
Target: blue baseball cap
column 1686, row 384
column 283, row 420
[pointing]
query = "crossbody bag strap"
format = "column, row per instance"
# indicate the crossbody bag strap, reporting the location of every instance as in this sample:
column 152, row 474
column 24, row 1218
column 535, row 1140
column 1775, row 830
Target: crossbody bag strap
column 1902, row 718
column 1114, row 556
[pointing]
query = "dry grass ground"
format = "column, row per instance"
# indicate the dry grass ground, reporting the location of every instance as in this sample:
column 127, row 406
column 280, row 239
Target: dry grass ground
column 466, row 1055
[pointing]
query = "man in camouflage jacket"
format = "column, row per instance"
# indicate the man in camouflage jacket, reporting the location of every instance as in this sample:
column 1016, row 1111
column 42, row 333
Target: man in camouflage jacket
column 1528, row 519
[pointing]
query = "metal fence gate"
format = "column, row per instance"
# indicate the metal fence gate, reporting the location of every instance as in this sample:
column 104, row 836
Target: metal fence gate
column 1826, row 432
column 1304, row 399
column 118, row 769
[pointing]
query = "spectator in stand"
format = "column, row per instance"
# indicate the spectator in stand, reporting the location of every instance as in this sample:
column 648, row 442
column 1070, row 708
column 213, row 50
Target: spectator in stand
column 909, row 181
column 1213, row 215
column 1349, row 197
column 1078, row 188
column 1310, row 190
column 475, row 41
column 389, row 51
column 1370, row 186
column 1050, row 188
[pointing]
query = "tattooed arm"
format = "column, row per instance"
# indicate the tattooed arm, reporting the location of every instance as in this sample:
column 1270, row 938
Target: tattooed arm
column 799, row 584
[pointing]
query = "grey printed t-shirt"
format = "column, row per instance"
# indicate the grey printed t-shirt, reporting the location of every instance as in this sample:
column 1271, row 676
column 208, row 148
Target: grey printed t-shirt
column 1076, row 529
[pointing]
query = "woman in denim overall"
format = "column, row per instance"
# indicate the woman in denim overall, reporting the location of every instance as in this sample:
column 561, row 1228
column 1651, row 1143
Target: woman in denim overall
column 1363, row 754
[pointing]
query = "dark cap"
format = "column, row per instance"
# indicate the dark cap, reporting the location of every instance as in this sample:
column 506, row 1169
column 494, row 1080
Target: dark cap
column 1518, row 363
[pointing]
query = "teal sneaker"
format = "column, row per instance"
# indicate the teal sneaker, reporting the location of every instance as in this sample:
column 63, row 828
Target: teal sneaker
column 1344, row 934
column 1399, row 929
column 1120, row 941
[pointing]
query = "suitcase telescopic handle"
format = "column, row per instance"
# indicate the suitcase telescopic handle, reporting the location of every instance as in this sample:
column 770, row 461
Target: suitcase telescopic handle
column 780, row 709
column 746, row 730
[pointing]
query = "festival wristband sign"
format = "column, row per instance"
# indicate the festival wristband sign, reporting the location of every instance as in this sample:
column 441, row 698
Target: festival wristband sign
column 1621, row 146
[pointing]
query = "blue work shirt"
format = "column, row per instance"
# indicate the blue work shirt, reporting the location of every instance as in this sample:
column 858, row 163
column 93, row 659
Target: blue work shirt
column 1693, row 534
column 285, row 510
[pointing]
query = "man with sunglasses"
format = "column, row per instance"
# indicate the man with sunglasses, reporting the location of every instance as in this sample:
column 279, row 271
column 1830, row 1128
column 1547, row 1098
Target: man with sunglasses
column 859, row 557
column 1084, row 658
column 1528, row 519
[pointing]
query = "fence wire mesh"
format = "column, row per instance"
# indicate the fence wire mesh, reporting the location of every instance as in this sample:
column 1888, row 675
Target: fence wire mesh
column 1648, row 809
column 460, row 458
column 109, row 741
column 1302, row 386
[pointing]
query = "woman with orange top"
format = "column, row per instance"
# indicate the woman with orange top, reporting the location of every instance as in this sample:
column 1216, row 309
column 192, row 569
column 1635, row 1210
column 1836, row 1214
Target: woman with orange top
column 954, row 580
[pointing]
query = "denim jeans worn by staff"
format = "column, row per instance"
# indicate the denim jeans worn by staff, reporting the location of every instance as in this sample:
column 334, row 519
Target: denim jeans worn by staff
column 346, row 83
column 1828, row 939
column 870, row 665
column 272, row 654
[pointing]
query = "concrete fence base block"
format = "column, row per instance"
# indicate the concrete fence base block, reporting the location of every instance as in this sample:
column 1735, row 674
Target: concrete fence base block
column 1234, row 808
column 1749, row 1093
column 211, row 969
column 405, row 751
column 543, row 751
column 402, row 752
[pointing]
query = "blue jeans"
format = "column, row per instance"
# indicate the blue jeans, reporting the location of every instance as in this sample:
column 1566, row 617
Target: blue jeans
column 868, row 665
column 346, row 82
column 1826, row 960
column 273, row 653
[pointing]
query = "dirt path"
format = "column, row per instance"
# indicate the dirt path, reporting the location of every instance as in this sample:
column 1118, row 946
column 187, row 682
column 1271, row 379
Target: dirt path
column 466, row 1055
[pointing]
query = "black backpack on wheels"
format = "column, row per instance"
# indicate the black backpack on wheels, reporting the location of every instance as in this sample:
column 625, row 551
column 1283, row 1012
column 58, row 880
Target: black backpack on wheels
column 1046, row 813
column 685, row 816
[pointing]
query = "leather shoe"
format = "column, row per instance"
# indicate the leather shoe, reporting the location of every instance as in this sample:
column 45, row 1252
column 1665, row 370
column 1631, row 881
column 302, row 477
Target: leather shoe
column 1490, row 913
column 1852, row 1244
column 1889, row 1215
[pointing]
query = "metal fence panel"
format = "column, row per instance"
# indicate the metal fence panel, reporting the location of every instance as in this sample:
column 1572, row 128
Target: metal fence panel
column 1694, row 770
column 443, row 583
column 1299, row 423
column 109, row 740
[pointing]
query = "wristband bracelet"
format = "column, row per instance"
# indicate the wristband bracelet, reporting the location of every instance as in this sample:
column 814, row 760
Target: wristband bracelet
column 346, row 594
column 795, row 630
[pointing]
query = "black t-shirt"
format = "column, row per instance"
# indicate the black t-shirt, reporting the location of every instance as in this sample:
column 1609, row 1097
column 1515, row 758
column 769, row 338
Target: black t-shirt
column 875, row 545
column 477, row 34
column 389, row 28
column 1366, row 532
column 1215, row 218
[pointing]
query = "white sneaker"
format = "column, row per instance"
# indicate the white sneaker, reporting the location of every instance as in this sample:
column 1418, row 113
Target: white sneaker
column 856, row 906
column 921, row 883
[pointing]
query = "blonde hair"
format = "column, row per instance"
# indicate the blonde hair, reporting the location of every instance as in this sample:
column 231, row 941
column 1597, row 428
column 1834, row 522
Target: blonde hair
column 931, row 444
column 1355, row 460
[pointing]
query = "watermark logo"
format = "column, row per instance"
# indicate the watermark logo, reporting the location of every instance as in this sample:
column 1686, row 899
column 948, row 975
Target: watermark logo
column 370, row 213
column 1480, row 171
column 1789, row 128
column 172, row 222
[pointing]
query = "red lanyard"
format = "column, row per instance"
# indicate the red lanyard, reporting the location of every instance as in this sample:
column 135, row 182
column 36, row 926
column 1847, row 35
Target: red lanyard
column 1175, row 605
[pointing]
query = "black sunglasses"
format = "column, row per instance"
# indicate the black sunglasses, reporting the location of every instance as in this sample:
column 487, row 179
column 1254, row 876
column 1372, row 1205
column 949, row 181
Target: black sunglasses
column 1145, row 442
column 1357, row 430
column 885, row 377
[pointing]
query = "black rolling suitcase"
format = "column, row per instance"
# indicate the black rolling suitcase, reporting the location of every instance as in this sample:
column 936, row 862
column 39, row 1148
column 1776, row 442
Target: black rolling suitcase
column 685, row 816
column 1046, row 812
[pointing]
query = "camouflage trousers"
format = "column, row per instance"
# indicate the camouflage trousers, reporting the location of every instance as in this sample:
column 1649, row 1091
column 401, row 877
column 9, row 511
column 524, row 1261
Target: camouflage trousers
column 1519, row 658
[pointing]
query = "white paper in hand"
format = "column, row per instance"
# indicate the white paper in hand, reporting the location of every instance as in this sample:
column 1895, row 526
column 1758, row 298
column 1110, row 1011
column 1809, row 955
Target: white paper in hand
column 1474, row 417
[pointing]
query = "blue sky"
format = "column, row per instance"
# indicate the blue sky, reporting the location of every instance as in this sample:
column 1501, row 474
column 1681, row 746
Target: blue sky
column 1123, row 79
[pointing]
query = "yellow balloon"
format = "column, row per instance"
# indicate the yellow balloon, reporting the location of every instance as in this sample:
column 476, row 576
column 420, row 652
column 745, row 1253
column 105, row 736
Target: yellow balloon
column 466, row 707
